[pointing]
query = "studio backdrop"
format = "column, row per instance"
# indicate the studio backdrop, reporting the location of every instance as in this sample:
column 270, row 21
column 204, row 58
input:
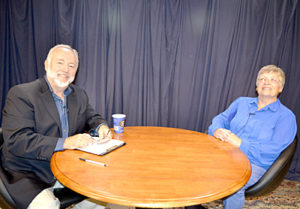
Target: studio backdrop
column 161, row 62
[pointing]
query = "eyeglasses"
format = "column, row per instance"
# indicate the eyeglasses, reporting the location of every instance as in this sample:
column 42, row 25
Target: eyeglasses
column 272, row 80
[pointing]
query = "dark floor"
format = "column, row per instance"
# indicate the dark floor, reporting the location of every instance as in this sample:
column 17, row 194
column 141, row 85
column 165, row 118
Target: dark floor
column 286, row 196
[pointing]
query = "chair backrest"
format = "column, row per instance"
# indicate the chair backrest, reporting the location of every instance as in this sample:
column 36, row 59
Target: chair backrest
column 276, row 173
column 66, row 196
column 6, row 201
column 1, row 137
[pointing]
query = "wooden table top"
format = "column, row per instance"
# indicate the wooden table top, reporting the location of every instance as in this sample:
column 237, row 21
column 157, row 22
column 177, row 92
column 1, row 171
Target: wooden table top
column 158, row 167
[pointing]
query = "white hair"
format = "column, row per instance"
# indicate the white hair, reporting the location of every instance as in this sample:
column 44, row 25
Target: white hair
column 274, row 69
column 49, row 56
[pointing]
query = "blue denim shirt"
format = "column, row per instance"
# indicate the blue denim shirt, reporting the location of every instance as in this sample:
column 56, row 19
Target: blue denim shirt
column 264, row 133
column 62, row 109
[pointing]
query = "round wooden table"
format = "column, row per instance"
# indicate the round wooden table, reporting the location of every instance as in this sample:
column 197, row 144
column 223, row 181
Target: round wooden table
column 158, row 167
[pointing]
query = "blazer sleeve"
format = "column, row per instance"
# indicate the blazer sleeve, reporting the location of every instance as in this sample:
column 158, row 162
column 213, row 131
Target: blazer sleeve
column 21, row 127
column 82, row 116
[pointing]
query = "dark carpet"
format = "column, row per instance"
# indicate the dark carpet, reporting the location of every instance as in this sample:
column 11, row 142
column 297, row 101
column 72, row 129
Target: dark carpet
column 286, row 196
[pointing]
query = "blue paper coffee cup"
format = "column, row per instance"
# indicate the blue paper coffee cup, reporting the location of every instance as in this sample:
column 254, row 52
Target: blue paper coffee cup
column 119, row 122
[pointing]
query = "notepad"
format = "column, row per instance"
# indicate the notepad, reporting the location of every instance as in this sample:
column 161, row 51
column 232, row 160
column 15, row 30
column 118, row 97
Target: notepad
column 103, row 148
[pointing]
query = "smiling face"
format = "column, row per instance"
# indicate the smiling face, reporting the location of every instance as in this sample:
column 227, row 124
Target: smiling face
column 61, row 67
column 269, row 85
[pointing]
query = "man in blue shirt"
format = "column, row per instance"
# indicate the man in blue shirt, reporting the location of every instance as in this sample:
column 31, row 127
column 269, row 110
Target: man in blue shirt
column 261, row 127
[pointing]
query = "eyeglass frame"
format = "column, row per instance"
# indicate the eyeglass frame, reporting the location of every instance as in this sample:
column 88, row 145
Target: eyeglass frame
column 272, row 80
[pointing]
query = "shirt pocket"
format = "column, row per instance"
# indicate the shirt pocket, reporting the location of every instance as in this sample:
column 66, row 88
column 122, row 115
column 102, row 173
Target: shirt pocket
column 264, row 130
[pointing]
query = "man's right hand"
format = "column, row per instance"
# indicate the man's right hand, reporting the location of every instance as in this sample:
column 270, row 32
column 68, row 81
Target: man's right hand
column 78, row 141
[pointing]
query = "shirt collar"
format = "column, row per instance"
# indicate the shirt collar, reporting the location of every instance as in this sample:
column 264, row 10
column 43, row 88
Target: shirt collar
column 273, row 106
column 67, row 92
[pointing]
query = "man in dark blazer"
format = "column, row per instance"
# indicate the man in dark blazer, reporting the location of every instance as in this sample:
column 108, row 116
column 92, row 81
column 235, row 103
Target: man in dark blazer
column 42, row 117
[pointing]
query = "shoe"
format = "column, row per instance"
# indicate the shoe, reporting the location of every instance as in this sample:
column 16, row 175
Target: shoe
column 195, row 207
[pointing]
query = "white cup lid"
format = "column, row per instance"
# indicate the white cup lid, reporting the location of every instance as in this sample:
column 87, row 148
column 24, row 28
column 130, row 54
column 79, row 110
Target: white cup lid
column 118, row 115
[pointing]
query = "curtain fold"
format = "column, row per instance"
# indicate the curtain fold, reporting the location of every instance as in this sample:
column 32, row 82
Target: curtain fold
column 161, row 62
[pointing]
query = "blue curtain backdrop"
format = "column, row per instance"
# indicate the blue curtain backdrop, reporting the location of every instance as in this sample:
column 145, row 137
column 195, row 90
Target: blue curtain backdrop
column 161, row 62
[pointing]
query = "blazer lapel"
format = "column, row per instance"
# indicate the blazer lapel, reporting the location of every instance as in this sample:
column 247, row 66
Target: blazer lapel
column 49, row 103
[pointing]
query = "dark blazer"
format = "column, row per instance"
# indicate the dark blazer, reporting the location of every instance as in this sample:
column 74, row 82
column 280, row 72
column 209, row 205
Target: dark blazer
column 31, row 128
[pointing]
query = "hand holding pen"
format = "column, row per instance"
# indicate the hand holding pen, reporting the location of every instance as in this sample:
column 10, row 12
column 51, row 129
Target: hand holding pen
column 104, row 133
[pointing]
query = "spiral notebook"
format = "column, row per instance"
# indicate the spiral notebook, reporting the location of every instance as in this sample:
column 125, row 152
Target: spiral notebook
column 103, row 148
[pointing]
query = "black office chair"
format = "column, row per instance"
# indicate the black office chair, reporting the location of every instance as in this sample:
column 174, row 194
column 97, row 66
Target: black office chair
column 276, row 173
column 66, row 196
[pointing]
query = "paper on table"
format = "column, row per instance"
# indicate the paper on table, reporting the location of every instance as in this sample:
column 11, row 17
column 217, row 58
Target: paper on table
column 103, row 148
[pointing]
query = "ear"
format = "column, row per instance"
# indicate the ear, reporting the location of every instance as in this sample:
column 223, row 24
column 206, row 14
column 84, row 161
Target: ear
column 46, row 64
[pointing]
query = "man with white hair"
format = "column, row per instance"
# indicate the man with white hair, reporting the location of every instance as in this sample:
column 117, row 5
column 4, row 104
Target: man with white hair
column 39, row 118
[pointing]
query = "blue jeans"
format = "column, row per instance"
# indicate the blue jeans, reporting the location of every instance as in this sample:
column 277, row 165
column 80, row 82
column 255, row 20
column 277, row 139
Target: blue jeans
column 237, row 200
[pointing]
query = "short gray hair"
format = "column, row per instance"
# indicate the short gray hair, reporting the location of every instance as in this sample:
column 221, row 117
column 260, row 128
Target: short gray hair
column 274, row 69
column 49, row 56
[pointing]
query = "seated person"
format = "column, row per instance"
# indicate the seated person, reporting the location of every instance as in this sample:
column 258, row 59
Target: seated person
column 261, row 127
column 41, row 117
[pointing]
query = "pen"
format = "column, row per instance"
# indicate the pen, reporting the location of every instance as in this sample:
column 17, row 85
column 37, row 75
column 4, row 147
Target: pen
column 91, row 161
column 108, row 133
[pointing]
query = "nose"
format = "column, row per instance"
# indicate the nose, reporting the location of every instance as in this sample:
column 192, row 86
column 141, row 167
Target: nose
column 65, row 68
column 267, row 81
